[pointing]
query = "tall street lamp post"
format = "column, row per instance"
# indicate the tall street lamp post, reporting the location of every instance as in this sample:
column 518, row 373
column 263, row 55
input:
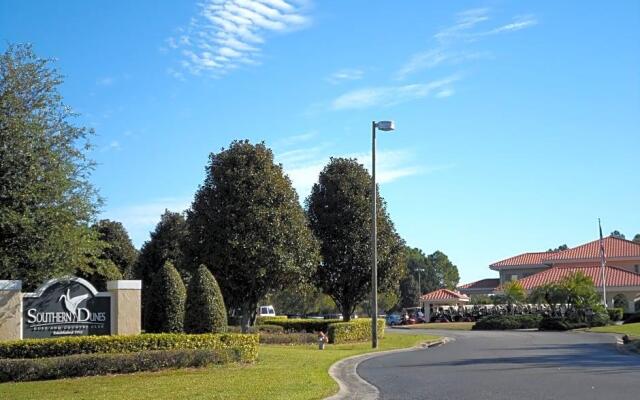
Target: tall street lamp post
column 385, row 126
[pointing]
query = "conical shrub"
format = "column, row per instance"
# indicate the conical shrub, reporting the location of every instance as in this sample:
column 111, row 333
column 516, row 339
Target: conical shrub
column 205, row 306
column 167, row 297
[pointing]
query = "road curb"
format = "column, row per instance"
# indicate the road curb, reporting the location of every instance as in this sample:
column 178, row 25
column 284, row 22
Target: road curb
column 352, row 386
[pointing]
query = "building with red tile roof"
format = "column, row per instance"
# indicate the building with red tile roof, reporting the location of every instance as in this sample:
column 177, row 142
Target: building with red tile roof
column 622, row 272
column 441, row 297
column 615, row 277
column 483, row 286
column 444, row 296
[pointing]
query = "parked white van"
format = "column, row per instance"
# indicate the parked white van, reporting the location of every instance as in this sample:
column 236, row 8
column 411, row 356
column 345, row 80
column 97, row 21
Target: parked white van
column 266, row 311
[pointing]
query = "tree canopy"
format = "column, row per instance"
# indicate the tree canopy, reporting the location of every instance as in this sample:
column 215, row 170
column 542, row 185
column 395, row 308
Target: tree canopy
column 46, row 199
column 118, row 247
column 446, row 272
column 247, row 225
column 339, row 210
column 617, row 234
column 559, row 248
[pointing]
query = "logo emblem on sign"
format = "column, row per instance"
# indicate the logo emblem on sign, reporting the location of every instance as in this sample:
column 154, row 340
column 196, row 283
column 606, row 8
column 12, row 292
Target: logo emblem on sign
column 72, row 303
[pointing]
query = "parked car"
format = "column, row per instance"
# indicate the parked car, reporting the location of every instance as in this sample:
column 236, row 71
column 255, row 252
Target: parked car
column 333, row 316
column 266, row 311
column 314, row 316
column 393, row 319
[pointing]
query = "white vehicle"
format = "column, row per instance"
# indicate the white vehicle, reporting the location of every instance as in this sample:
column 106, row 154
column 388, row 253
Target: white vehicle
column 266, row 311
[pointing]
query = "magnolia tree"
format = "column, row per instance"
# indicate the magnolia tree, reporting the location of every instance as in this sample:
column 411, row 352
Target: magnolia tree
column 339, row 210
column 247, row 225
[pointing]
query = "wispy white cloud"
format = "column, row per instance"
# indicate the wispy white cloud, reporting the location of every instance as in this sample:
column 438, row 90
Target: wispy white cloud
column 296, row 139
column 465, row 29
column 140, row 219
column 106, row 81
column 445, row 93
column 303, row 165
column 346, row 74
column 464, row 22
column 227, row 34
column 434, row 58
column 518, row 23
column 113, row 145
column 389, row 95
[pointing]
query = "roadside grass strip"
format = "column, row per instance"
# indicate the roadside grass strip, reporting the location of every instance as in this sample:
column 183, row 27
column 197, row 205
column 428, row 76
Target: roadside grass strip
column 281, row 372
column 633, row 330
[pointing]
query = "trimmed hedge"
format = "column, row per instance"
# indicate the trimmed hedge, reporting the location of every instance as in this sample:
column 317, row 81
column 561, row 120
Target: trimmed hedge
column 301, row 325
column 205, row 309
column 615, row 314
column 265, row 320
column 166, row 301
column 288, row 338
column 357, row 330
column 633, row 319
column 564, row 324
column 102, row 364
column 245, row 345
column 560, row 324
column 504, row 322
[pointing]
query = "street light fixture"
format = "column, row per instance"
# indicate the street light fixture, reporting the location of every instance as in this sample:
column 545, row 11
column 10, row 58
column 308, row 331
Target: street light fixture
column 385, row 126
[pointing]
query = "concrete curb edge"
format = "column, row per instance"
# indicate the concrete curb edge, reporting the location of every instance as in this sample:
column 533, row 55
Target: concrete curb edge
column 352, row 386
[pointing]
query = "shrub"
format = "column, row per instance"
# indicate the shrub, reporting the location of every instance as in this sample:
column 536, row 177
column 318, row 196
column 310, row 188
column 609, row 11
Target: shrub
column 302, row 325
column 497, row 322
column 245, row 345
column 102, row 364
column 615, row 314
column 265, row 320
column 560, row 324
column 357, row 330
column 165, row 310
column 599, row 319
column 633, row 319
column 288, row 338
column 270, row 329
column 503, row 322
column 205, row 310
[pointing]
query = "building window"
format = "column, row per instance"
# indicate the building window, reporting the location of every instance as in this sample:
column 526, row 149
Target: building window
column 637, row 268
column 514, row 277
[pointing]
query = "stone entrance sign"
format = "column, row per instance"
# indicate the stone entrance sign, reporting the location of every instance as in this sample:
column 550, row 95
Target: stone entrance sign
column 66, row 307
column 69, row 306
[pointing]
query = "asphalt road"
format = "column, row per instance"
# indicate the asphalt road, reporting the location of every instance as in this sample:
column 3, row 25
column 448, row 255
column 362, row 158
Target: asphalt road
column 509, row 365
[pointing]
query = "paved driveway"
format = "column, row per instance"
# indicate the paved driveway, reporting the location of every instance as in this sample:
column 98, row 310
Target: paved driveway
column 509, row 365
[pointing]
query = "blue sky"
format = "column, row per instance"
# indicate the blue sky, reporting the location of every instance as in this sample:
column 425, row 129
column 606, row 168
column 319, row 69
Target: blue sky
column 518, row 123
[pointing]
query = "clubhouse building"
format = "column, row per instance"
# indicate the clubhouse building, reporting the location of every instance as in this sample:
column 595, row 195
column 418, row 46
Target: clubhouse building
column 622, row 270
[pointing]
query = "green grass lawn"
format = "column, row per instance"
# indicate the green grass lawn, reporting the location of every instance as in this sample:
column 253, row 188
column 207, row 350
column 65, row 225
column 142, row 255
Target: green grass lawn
column 629, row 329
column 456, row 326
column 282, row 372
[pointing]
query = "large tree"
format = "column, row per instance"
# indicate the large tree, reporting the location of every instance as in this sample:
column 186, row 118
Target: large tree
column 447, row 272
column 339, row 210
column 636, row 238
column 118, row 246
column 247, row 225
column 46, row 200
